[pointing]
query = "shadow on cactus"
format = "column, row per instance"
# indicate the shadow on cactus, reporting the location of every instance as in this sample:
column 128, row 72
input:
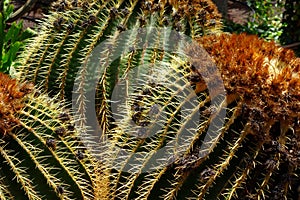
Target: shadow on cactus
column 254, row 152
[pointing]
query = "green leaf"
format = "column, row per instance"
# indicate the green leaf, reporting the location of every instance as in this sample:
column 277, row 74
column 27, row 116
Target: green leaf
column 8, row 11
column 10, row 56
column 14, row 50
column 27, row 33
column 5, row 57
column 13, row 32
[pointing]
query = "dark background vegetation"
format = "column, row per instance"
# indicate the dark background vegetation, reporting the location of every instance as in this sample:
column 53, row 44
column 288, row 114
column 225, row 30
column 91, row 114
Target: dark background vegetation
column 277, row 20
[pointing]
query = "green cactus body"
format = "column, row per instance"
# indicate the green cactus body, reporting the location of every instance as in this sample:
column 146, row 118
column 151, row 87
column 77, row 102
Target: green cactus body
column 68, row 37
column 253, row 153
column 41, row 155
column 208, row 142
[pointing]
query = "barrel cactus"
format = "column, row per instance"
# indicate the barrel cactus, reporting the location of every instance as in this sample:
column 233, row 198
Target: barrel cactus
column 214, row 118
column 68, row 36
column 40, row 151
column 251, row 151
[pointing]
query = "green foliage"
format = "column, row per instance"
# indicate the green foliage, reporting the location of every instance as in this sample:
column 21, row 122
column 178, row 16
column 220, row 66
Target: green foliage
column 291, row 16
column 11, row 39
column 265, row 20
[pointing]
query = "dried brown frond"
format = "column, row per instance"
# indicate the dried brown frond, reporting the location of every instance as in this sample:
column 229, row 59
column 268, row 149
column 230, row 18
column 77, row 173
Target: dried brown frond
column 11, row 101
column 266, row 77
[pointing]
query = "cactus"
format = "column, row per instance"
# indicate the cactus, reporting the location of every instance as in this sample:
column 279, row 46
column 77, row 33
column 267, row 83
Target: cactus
column 40, row 151
column 68, row 36
column 235, row 141
column 252, row 154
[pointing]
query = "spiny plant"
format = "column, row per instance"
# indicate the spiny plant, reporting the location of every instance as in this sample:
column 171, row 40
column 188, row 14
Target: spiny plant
column 40, row 151
column 68, row 35
column 253, row 153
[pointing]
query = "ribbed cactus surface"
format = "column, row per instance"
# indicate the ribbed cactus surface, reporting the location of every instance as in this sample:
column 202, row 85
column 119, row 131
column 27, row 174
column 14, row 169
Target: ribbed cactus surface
column 250, row 152
column 213, row 119
column 68, row 36
column 40, row 151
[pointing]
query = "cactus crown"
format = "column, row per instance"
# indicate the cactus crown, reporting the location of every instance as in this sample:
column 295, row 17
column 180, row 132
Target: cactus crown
column 257, row 71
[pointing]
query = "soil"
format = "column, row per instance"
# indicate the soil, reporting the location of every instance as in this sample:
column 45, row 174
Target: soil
column 32, row 18
column 239, row 12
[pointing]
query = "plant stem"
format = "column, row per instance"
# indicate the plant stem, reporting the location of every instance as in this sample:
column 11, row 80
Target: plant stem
column 21, row 11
